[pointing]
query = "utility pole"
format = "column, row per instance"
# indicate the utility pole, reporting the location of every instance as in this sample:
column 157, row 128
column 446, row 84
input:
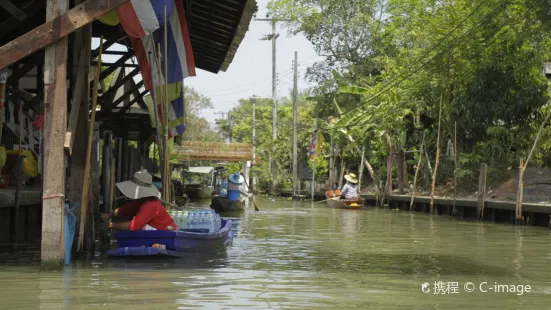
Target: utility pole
column 253, row 102
column 273, row 36
column 295, row 140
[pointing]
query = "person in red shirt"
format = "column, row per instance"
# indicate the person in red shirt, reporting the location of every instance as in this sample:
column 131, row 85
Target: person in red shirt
column 145, row 208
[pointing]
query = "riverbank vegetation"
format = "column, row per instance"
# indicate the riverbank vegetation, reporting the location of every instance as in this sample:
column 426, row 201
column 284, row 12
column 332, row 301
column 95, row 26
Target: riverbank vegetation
column 391, row 68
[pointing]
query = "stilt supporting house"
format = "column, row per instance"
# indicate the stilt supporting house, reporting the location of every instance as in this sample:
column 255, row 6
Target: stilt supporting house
column 49, row 48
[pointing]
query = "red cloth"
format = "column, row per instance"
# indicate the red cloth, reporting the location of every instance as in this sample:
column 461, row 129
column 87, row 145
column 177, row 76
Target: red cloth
column 38, row 121
column 149, row 211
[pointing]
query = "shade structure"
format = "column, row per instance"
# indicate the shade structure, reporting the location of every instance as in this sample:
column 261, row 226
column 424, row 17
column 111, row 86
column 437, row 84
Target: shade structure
column 215, row 151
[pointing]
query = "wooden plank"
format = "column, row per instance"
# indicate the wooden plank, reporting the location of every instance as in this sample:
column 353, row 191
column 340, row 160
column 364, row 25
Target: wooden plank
column 55, row 29
column 81, row 88
column 55, row 91
column 13, row 10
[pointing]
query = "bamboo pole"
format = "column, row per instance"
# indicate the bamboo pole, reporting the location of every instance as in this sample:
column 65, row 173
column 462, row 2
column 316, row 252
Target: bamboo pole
column 112, row 180
column 437, row 158
column 481, row 190
column 3, row 80
column 523, row 168
column 86, row 181
column 361, row 171
column 163, row 117
column 168, row 173
column 454, row 167
column 417, row 171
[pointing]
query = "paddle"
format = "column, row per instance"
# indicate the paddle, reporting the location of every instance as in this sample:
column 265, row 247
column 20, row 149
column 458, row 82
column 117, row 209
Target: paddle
column 255, row 207
column 334, row 198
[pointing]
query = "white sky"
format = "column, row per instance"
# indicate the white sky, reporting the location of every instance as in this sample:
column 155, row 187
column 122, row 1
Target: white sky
column 250, row 72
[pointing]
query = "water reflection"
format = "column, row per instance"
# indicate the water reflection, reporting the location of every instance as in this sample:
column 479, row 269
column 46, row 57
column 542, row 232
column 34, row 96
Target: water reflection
column 302, row 255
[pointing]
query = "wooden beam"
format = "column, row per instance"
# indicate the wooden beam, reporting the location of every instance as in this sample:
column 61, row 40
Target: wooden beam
column 105, row 73
column 13, row 10
column 137, row 99
column 53, row 30
column 112, row 63
column 80, row 90
column 55, row 90
column 31, row 7
column 116, row 37
column 127, row 94
column 120, row 83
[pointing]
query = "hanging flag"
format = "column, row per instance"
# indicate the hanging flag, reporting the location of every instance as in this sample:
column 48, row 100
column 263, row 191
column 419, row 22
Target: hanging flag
column 141, row 17
column 176, row 119
column 179, row 52
column 316, row 139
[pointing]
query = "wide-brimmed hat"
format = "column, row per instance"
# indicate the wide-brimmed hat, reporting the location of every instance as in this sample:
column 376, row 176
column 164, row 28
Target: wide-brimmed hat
column 236, row 178
column 140, row 186
column 351, row 178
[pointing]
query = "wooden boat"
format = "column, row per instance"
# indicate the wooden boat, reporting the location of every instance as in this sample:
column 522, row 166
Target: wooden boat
column 171, row 243
column 224, row 205
column 333, row 201
column 198, row 191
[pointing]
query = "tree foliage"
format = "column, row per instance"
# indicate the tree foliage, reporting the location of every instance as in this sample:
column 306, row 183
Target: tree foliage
column 391, row 63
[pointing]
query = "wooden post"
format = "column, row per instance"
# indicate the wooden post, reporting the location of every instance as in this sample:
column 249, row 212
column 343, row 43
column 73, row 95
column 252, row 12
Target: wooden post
column 437, row 158
column 417, row 171
column 481, row 191
column 86, row 180
column 55, row 101
column 520, row 192
column 331, row 164
column 401, row 171
column 342, row 170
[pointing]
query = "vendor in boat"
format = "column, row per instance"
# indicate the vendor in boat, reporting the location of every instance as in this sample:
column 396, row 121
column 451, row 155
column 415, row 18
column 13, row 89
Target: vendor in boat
column 350, row 189
column 144, row 207
column 235, row 185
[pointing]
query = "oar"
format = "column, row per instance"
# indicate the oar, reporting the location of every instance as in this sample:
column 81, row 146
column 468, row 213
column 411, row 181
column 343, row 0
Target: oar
column 255, row 207
column 327, row 199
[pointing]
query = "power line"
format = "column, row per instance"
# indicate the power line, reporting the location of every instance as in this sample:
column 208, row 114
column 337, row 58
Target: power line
column 404, row 76
column 493, row 40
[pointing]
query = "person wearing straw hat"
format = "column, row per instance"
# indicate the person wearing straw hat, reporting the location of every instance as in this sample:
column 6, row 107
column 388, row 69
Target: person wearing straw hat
column 145, row 208
column 235, row 186
column 350, row 189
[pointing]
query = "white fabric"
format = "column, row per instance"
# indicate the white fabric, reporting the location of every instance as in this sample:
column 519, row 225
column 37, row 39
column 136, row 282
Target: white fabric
column 147, row 227
column 146, row 15
column 349, row 191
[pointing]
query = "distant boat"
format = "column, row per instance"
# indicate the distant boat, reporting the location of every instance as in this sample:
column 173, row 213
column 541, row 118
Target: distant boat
column 224, row 205
column 200, row 190
column 333, row 201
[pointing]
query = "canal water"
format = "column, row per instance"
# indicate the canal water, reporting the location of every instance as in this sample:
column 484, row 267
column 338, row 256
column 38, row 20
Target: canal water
column 307, row 256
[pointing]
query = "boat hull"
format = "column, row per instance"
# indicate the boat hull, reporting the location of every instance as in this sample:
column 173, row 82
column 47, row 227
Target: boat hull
column 198, row 191
column 345, row 204
column 224, row 205
column 176, row 243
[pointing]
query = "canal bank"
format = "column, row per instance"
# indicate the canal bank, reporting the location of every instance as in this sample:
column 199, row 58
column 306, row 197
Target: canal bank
column 534, row 214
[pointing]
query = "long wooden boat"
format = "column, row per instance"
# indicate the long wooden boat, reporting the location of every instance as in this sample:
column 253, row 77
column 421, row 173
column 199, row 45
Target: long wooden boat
column 198, row 191
column 171, row 243
column 224, row 205
column 333, row 201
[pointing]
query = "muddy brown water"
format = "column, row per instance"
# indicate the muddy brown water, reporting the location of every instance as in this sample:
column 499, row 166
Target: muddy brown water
column 307, row 256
